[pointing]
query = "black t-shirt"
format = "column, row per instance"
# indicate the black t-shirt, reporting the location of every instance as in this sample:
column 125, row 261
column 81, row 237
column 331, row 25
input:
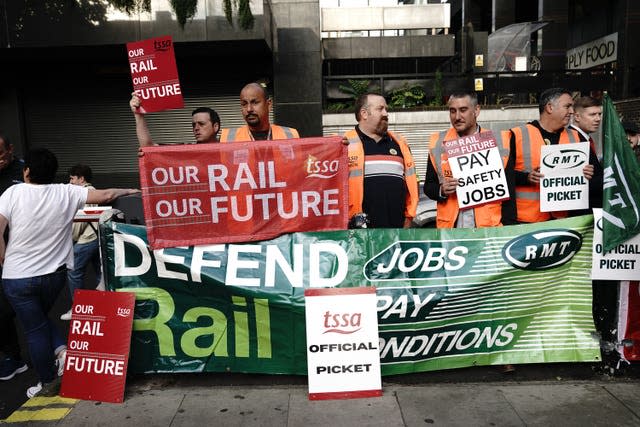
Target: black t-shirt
column 10, row 175
column 384, row 194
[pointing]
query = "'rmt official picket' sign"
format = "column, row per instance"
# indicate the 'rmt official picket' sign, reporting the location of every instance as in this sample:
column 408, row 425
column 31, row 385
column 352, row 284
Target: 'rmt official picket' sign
column 564, row 187
column 154, row 73
column 343, row 356
column 98, row 348
column 475, row 161
column 220, row 193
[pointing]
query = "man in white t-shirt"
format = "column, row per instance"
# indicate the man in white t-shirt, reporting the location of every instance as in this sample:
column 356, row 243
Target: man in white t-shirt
column 39, row 253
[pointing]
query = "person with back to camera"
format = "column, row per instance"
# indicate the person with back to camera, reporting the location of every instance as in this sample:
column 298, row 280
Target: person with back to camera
column 39, row 253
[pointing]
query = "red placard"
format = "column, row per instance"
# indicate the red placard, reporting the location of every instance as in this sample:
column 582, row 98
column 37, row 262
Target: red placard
column 152, row 64
column 630, row 323
column 98, row 348
column 221, row 193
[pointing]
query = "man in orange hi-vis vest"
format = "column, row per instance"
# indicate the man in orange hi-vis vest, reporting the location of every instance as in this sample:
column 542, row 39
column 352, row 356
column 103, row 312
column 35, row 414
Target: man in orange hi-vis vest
column 256, row 104
column 382, row 174
column 440, row 185
column 556, row 109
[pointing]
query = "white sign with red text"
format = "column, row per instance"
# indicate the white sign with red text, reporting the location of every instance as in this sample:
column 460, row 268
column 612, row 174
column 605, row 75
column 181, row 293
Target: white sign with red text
column 476, row 163
column 343, row 358
column 564, row 187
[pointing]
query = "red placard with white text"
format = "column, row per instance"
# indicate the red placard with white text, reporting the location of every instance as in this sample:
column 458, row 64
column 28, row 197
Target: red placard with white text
column 98, row 347
column 222, row 193
column 154, row 73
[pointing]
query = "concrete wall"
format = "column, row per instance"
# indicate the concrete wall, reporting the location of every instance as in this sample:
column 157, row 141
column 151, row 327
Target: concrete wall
column 297, row 65
column 388, row 47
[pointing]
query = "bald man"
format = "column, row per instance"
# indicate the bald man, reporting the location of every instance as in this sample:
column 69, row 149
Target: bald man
column 256, row 104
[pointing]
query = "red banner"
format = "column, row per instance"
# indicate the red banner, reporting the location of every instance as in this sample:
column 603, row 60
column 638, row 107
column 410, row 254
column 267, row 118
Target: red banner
column 152, row 64
column 629, row 320
column 98, row 348
column 243, row 191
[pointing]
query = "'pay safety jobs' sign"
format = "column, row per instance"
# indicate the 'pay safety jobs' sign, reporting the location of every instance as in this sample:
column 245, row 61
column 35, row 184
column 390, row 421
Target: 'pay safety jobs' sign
column 343, row 356
column 476, row 163
column 154, row 73
column 564, row 187
column 98, row 347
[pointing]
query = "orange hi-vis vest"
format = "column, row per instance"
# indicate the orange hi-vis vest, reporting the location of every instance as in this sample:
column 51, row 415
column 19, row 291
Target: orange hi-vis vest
column 528, row 145
column 486, row 215
column 356, row 174
column 243, row 133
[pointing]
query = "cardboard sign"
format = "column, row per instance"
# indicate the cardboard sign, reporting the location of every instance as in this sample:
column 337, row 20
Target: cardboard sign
column 152, row 64
column 343, row 356
column 620, row 263
column 564, row 187
column 98, row 347
column 221, row 193
column 475, row 161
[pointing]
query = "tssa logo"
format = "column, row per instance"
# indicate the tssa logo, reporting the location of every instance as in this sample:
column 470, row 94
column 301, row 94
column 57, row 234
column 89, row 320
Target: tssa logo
column 123, row 312
column 415, row 260
column 342, row 323
column 567, row 158
column 321, row 168
column 541, row 250
column 162, row 45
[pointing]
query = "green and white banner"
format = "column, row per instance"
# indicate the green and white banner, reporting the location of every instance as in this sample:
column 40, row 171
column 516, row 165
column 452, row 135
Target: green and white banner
column 445, row 298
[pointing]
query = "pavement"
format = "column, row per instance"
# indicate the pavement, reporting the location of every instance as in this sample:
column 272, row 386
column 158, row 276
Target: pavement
column 486, row 399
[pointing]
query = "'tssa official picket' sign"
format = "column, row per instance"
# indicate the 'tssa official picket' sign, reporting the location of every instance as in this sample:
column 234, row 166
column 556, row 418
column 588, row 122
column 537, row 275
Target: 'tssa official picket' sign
column 154, row 73
column 343, row 355
column 98, row 347
column 220, row 193
column 564, row 186
column 475, row 161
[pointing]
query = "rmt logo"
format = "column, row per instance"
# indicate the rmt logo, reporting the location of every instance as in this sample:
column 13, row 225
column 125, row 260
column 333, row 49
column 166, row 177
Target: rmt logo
column 542, row 250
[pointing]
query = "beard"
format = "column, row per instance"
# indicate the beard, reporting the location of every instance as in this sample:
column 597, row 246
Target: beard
column 382, row 127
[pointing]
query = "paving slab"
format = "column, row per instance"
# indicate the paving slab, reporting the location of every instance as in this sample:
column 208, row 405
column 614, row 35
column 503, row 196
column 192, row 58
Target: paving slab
column 147, row 408
column 375, row 411
column 456, row 405
column 628, row 395
column 234, row 406
column 566, row 405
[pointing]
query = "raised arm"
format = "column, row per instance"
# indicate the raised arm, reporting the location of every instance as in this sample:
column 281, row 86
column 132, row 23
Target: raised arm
column 142, row 131
column 105, row 196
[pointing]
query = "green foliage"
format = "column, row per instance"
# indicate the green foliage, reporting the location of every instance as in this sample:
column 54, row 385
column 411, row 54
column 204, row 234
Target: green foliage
column 132, row 6
column 338, row 107
column 357, row 88
column 184, row 9
column 245, row 16
column 437, row 90
column 407, row 96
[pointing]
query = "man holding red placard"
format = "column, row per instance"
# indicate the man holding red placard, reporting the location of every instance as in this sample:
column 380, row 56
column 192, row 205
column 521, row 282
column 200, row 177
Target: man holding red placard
column 204, row 121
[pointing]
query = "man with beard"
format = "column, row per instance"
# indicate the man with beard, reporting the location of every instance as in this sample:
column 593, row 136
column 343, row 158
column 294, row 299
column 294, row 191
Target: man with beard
column 556, row 108
column 382, row 175
column 256, row 104
column 440, row 184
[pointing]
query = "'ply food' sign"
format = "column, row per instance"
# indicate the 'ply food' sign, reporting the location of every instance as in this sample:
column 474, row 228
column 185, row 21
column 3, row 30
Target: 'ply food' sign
column 154, row 73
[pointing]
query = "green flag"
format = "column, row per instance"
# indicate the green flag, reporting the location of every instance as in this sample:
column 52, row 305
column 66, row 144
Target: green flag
column 621, row 198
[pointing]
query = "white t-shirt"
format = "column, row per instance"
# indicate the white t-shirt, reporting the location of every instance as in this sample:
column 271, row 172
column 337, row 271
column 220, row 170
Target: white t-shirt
column 40, row 219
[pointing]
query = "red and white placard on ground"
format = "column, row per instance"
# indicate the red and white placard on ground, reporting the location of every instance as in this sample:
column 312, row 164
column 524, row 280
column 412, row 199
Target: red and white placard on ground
column 343, row 356
column 98, row 347
column 154, row 73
